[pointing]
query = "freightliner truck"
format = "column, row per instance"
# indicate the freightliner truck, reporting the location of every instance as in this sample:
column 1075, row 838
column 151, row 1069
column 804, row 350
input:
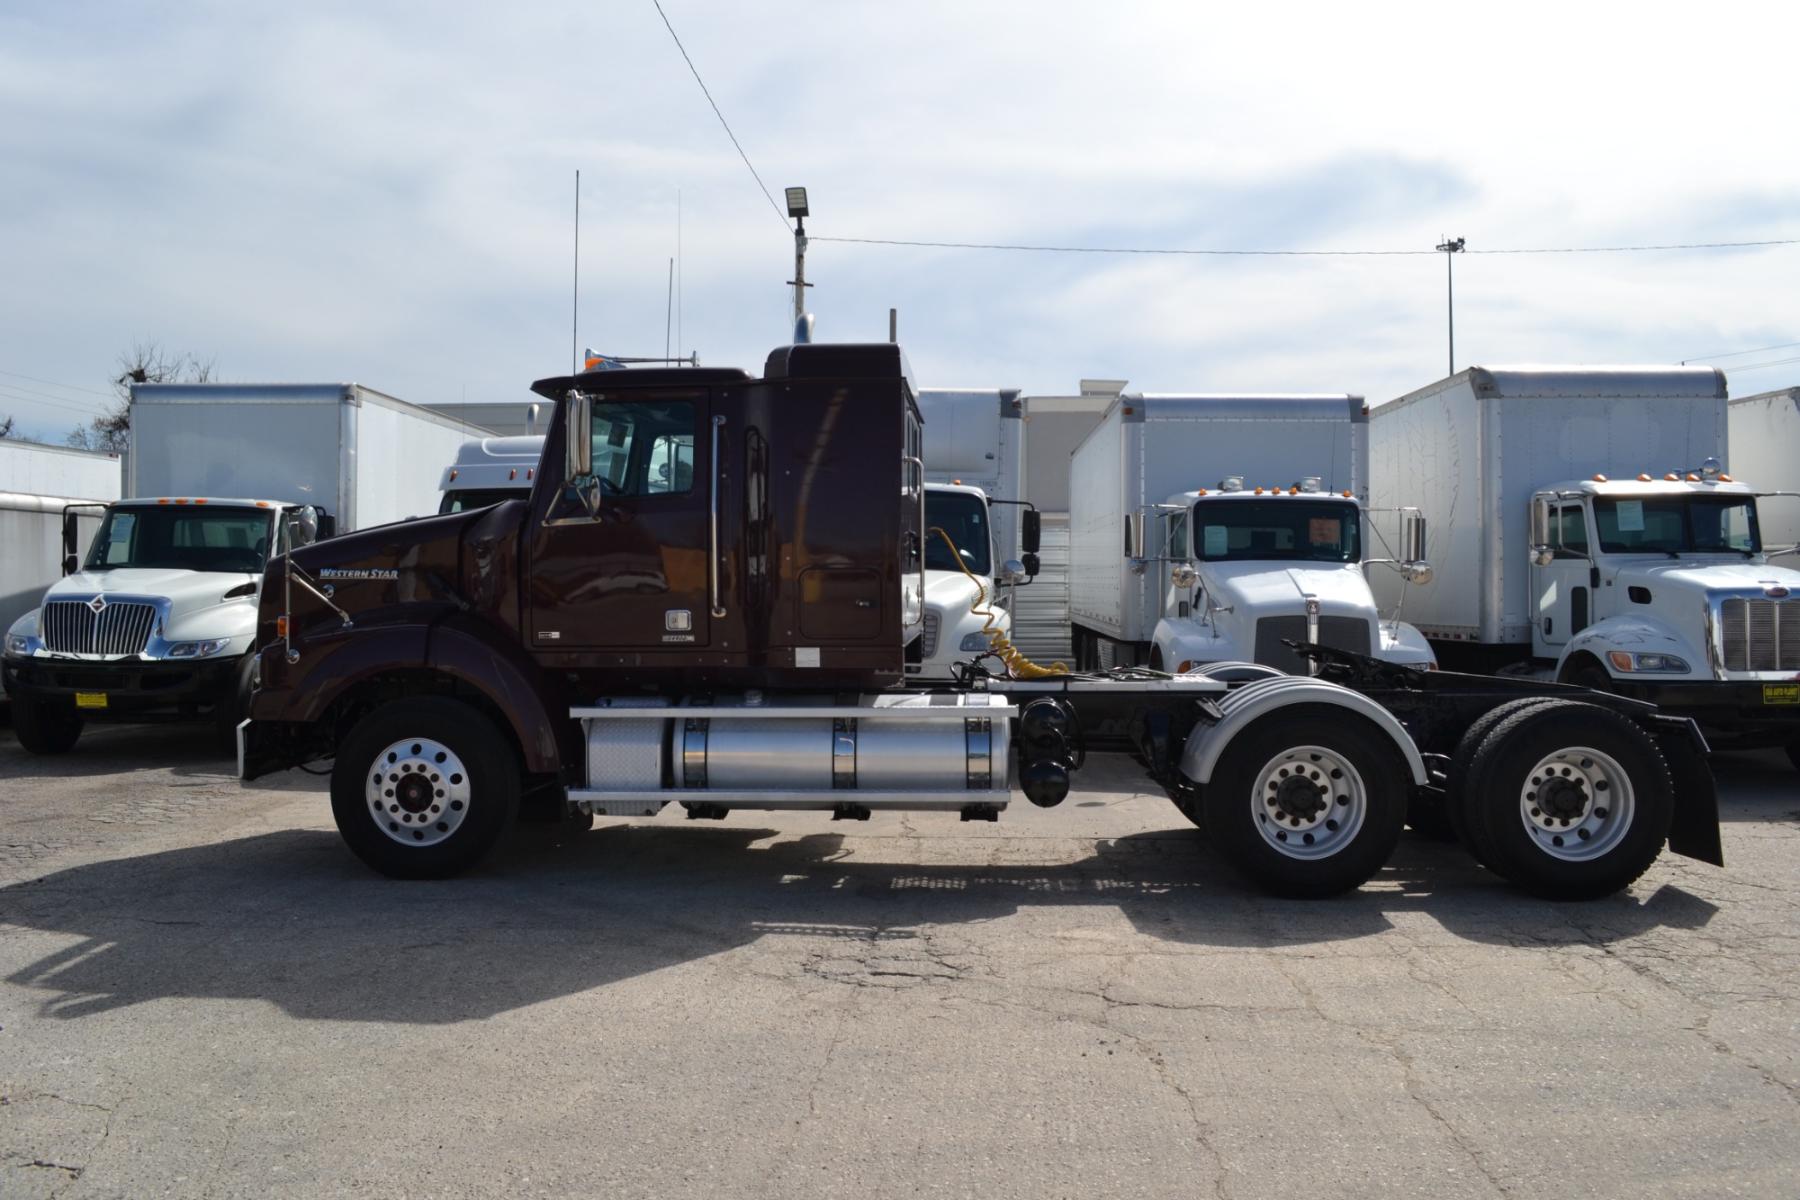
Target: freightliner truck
column 1585, row 529
column 739, row 643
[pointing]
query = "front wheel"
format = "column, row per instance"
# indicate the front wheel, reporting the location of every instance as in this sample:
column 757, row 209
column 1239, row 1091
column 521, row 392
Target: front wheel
column 1308, row 803
column 1569, row 800
column 45, row 726
column 424, row 788
column 1793, row 753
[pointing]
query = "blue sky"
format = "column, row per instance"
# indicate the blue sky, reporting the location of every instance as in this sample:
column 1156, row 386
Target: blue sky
column 330, row 192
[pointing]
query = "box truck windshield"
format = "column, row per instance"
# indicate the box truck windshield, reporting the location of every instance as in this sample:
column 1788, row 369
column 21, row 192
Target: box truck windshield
column 964, row 517
column 1254, row 530
column 1677, row 524
column 182, row 539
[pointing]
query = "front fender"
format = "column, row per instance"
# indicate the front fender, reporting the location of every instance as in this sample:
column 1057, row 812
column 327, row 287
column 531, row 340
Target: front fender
column 1182, row 640
column 1240, row 708
column 1643, row 634
column 472, row 652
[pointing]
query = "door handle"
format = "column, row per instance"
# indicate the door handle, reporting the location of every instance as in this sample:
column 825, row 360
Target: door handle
column 712, row 558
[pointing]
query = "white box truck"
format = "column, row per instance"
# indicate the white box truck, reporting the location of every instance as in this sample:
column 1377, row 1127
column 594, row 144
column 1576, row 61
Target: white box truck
column 157, row 619
column 1765, row 450
column 1218, row 528
column 974, row 452
column 1582, row 523
column 36, row 483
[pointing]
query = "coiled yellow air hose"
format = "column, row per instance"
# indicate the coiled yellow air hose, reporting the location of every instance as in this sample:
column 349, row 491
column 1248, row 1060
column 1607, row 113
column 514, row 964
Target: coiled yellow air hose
column 1017, row 664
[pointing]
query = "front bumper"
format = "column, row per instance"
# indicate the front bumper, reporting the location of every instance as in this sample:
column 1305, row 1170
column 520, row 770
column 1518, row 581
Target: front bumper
column 134, row 688
column 1766, row 711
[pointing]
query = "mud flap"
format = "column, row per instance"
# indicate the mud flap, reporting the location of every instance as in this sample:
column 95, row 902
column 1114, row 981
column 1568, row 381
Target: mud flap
column 1694, row 828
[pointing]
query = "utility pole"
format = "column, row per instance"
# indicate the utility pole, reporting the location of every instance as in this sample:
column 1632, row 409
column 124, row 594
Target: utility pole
column 1450, row 248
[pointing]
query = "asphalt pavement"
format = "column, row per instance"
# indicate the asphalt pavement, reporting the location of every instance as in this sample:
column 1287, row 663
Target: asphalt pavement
column 204, row 994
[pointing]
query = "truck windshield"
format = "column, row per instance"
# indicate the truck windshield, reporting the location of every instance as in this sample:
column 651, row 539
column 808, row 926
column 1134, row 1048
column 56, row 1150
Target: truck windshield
column 964, row 517
column 1301, row 530
column 190, row 538
column 467, row 498
column 1677, row 525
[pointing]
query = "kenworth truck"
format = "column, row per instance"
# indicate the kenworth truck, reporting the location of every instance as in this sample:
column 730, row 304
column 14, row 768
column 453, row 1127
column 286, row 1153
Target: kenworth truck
column 1585, row 528
column 1215, row 528
column 740, row 643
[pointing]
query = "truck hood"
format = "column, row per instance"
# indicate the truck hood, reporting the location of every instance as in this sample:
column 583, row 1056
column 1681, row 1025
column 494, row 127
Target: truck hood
column 951, row 592
column 1262, row 588
column 1701, row 576
column 188, row 592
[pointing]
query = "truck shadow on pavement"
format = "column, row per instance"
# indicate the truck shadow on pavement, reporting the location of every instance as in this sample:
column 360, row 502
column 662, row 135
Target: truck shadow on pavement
column 290, row 918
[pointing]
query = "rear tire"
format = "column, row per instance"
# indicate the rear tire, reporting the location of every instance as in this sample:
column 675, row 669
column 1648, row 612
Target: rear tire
column 45, row 726
column 1456, row 780
column 1307, row 803
column 1568, row 800
column 424, row 788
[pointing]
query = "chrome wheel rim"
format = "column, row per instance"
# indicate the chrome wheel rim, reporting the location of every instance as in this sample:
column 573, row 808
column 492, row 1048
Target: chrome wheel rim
column 1577, row 804
column 417, row 791
column 1309, row 802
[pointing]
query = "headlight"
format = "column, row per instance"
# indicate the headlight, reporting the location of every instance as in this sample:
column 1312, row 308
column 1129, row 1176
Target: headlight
column 198, row 649
column 974, row 643
column 1625, row 660
column 18, row 643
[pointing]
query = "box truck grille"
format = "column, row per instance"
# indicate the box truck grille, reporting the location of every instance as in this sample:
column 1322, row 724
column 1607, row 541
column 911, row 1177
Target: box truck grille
column 930, row 636
column 1340, row 633
column 1759, row 635
column 117, row 630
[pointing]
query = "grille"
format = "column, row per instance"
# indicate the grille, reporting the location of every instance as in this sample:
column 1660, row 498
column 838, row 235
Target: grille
column 1341, row 633
column 118, row 630
column 1757, row 638
column 930, row 636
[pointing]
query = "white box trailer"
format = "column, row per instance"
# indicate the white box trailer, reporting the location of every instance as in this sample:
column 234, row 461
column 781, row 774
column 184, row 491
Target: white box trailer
column 1251, row 508
column 36, row 482
column 1582, row 523
column 362, row 456
column 1765, row 449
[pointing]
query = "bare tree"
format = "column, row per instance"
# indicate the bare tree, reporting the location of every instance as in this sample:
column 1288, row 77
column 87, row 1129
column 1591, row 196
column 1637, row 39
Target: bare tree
column 6, row 427
column 146, row 363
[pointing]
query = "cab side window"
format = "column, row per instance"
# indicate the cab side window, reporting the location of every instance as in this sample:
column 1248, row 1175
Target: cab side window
column 1571, row 530
column 644, row 448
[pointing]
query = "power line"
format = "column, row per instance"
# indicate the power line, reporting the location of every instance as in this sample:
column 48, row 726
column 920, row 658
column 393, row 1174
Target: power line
column 1737, row 353
column 18, row 395
column 1221, row 253
column 69, row 386
column 767, row 195
column 1778, row 362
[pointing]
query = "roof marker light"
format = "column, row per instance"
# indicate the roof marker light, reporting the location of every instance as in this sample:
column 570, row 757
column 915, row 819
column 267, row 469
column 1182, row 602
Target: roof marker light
column 1346, row 493
column 181, row 500
column 452, row 474
column 1294, row 491
column 512, row 474
column 200, row 501
column 1643, row 478
column 1692, row 478
column 1670, row 477
column 1726, row 479
column 164, row 500
column 262, row 504
column 1200, row 492
column 530, row 471
column 1599, row 478
column 1259, row 491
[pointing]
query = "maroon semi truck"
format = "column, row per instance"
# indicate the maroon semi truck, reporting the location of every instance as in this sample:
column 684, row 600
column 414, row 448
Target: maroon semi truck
column 710, row 597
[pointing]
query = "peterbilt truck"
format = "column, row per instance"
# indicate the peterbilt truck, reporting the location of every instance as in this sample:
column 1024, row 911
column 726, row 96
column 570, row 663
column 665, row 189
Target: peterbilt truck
column 1584, row 528
column 157, row 620
column 740, row 644
column 1216, row 528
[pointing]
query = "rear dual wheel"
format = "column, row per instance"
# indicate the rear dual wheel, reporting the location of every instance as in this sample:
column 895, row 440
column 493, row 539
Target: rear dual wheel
column 424, row 788
column 1567, row 800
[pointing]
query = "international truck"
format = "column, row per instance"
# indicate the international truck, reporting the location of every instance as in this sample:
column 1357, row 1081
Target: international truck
column 739, row 643
column 1585, row 529
column 975, row 459
column 1764, row 439
column 490, row 469
column 1219, row 528
column 36, row 483
column 157, row 619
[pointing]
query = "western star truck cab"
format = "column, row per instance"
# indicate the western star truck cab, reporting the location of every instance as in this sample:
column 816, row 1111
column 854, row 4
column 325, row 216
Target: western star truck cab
column 733, row 637
column 157, row 622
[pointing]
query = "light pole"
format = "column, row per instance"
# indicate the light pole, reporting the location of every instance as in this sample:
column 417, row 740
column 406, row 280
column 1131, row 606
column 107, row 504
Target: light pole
column 1450, row 248
column 796, row 206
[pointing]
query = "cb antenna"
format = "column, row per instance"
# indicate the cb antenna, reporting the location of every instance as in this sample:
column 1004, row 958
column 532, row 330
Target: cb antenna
column 575, row 300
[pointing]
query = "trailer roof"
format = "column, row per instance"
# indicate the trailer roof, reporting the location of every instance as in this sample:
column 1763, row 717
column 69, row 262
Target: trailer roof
column 1790, row 393
column 1550, row 382
column 1231, row 406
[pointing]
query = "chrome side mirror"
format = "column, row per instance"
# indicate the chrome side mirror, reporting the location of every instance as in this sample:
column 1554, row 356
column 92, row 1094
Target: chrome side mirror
column 578, row 435
column 1134, row 537
column 1183, row 576
column 1543, row 556
column 1418, row 571
column 303, row 526
column 1012, row 572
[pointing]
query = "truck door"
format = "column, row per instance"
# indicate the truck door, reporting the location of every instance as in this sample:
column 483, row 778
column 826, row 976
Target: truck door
column 634, row 576
column 1562, row 591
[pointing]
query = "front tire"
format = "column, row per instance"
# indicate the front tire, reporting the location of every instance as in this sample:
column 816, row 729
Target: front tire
column 46, row 726
column 424, row 788
column 1307, row 803
column 1793, row 753
column 1568, row 800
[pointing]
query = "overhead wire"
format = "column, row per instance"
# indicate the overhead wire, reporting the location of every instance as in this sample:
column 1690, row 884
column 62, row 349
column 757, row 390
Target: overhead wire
column 705, row 91
column 1737, row 353
column 1259, row 253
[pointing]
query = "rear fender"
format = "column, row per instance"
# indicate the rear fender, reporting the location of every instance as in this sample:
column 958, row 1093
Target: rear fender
column 1241, row 708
